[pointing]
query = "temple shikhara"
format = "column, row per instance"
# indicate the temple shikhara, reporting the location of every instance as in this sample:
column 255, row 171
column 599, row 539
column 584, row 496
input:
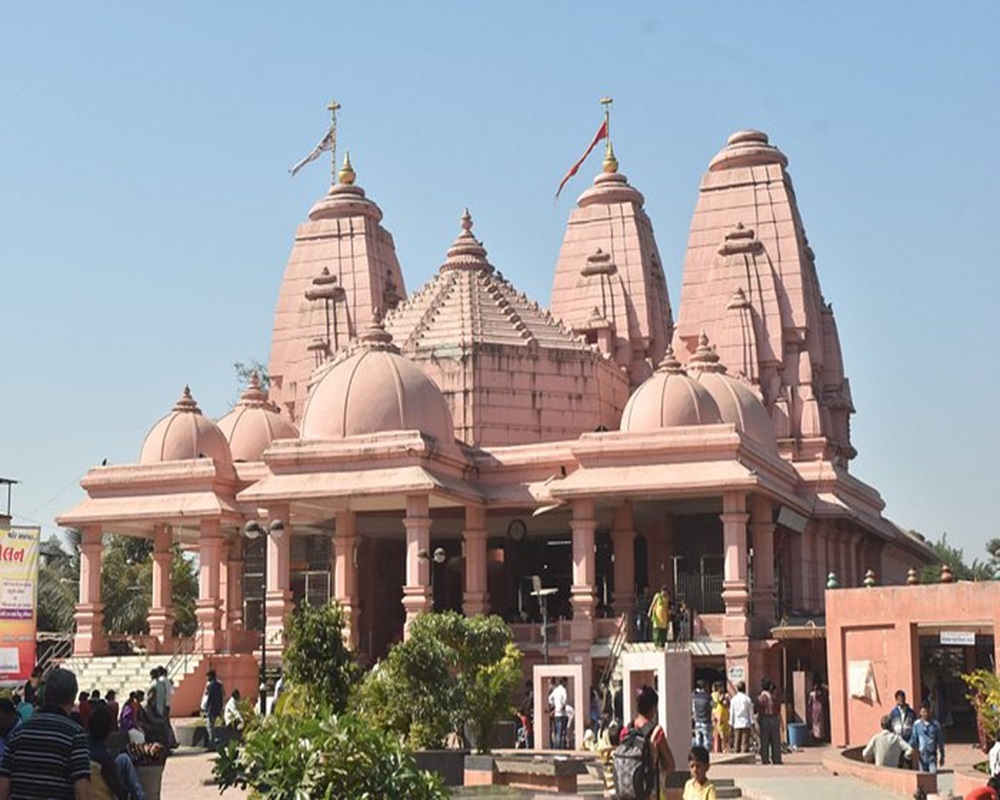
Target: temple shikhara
column 464, row 446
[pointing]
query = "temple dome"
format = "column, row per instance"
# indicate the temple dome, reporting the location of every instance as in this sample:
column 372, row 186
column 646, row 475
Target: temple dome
column 747, row 148
column 669, row 398
column 254, row 423
column 737, row 402
column 184, row 434
column 374, row 390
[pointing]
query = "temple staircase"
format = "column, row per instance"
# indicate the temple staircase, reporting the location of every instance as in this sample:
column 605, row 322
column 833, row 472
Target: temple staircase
column 127, row 673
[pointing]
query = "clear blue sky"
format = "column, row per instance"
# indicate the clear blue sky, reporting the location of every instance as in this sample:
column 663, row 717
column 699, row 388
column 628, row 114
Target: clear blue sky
column 146, row 213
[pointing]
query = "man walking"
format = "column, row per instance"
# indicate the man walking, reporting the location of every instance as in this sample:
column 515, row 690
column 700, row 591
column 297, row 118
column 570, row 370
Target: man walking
column 558, row 700
column 701, row 714
column 48, row 755
column 214, row 699
column 741, row 717
column 770, row 725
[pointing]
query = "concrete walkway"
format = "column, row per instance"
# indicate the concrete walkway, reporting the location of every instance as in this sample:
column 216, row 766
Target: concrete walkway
column 189, row 771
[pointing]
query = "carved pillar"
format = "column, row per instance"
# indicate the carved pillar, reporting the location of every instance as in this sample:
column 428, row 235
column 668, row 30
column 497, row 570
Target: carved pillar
column 810, row 569
column 234, row 584
column 583, row 525
column 623, row 546
column 278, row 593
column 345, row 573
column 735, row 594
column 417, row 592
column 89, row 639
column 208, row 608
column 762, row 528
column 161, row 613
column 475, row 599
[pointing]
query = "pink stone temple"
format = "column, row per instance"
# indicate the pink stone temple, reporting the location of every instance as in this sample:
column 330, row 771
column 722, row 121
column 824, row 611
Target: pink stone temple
column 462, row 446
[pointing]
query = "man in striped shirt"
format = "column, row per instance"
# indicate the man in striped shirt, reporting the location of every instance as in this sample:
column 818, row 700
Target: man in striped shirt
column 48, row 757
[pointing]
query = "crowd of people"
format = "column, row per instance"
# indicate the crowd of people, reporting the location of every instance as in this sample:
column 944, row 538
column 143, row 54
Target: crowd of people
column 51, row 734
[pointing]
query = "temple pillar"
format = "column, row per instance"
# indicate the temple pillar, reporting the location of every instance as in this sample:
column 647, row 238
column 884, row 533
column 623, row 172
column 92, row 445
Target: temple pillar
column 208, row 608
column 735, row 594
column 345, row 574
column 277, row 580
column 583, row 526
column 161, row 612
column 89, row 639
column 623, row 547
column 233, row 619
column 417, row 592
column 762, row 529
column 810, row 570
column 475, row 598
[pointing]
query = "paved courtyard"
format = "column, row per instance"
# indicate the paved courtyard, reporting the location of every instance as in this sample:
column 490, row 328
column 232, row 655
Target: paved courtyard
column 188, row 775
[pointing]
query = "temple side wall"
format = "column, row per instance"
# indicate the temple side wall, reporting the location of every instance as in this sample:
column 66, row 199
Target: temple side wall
column 879, row 627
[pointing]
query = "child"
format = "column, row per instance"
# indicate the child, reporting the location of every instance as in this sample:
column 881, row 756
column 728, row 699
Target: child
column 698, row 786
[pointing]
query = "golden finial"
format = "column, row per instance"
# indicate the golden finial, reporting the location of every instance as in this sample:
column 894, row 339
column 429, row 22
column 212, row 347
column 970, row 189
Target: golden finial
column 610, row 162
column 347, row 175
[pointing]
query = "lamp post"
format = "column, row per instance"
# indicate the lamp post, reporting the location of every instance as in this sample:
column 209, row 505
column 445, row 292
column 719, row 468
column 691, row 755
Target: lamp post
column 254, row 530
column 439, row 556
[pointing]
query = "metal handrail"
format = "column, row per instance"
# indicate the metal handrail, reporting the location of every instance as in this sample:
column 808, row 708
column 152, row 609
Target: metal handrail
column 60, row 649
column 185, row 649
column 617, row 645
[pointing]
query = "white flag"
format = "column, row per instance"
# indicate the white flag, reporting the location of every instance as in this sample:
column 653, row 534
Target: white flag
column 325, row 144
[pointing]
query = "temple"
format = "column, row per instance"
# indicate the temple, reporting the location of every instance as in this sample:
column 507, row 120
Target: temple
column 462, row 447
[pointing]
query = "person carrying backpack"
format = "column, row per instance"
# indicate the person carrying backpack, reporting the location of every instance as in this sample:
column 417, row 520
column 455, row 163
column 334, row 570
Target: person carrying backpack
column 643, row 760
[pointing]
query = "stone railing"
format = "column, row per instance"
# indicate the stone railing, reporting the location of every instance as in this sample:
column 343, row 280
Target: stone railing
column 901, row 781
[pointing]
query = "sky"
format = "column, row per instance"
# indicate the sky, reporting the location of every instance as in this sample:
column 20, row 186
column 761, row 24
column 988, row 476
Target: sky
column 146, row 211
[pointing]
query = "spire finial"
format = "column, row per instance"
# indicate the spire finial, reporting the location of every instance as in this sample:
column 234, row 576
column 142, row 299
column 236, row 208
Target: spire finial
column 610, row 162
column 347, row 174
column 466, row 220
column 333, row 108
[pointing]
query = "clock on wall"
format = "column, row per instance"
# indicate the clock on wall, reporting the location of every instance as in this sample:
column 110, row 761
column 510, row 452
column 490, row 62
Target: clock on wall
column 517, row 530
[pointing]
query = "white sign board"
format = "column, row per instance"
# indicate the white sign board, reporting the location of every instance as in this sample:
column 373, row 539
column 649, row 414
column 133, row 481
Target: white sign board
column 736, row 673
column 958, row 637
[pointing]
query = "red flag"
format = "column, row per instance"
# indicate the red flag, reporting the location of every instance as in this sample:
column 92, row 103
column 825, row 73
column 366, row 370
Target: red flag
column 602, row 133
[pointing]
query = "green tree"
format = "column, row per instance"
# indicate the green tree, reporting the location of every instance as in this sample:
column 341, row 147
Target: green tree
column 58, row 579
column 451, row 674
column 316, row 656
column 954, row 557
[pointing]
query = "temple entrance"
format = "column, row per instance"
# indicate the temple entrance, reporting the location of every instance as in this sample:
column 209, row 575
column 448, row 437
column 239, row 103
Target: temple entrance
column 944, row 656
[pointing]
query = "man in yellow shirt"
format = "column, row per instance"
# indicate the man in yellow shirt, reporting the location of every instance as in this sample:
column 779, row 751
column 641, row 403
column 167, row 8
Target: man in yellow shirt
column 659, row 615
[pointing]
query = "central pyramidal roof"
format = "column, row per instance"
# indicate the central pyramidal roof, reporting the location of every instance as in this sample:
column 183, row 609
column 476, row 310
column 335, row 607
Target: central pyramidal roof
column 511, row 373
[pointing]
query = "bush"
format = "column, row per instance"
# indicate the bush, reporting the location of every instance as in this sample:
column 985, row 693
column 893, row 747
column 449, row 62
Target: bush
column 450, row 673
column 316, row 656
column 984, row 695
column 289, row 757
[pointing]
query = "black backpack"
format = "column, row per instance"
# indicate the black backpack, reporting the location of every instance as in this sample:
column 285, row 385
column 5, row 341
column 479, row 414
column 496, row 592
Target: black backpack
column 632, row 761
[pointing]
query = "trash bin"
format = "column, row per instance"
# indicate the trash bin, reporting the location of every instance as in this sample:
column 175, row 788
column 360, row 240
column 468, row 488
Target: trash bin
column 798, row 734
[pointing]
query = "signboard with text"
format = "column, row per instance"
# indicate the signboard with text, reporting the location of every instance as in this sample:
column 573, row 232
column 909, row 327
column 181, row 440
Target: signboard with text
column 958, row 637
column 18, row 601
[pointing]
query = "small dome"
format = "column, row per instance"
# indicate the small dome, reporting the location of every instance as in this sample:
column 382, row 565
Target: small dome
column 669, row 398
column 184, row 434
column 254, row 423
column 374, row 390
column 736, row 401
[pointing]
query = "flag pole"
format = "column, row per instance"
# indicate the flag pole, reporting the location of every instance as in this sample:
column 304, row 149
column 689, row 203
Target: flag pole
column 606, row 102
column 333, row 108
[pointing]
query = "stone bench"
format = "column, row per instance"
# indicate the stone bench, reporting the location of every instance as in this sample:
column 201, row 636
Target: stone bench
column 898, row 780
column 556, row 774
